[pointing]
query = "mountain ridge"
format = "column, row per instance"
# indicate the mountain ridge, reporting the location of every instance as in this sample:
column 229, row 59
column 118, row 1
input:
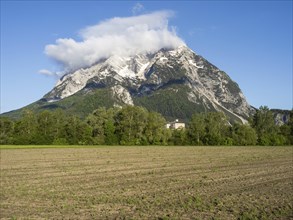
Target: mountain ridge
column 174, row 82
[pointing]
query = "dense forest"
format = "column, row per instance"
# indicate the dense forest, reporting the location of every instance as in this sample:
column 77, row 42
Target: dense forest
column 133, row 125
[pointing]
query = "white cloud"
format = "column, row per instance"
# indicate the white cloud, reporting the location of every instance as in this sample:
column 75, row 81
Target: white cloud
column 50, row 73
column 46, row 72
column 138, row 7
column 126, row 36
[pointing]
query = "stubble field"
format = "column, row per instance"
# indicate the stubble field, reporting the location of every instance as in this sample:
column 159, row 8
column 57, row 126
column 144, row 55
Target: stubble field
column 147, row 183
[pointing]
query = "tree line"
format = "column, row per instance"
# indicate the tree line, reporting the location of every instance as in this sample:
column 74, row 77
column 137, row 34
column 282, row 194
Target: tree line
column 133, row 125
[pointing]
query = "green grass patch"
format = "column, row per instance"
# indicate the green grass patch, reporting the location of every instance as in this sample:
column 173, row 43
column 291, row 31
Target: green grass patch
column 49, row 146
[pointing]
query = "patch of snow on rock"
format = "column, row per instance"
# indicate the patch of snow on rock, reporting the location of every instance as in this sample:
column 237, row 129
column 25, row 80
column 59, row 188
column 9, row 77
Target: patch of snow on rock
column 194, row 64
column 122, row 94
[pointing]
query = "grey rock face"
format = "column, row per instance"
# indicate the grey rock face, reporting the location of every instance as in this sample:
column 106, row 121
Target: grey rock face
column 146, row 74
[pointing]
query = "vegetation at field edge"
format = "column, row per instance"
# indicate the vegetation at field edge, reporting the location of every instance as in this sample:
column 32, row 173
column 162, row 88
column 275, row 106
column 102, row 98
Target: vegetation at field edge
column 133, row 125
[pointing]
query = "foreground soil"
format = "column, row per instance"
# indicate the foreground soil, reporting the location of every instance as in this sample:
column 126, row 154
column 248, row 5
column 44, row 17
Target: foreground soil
column 147, row 183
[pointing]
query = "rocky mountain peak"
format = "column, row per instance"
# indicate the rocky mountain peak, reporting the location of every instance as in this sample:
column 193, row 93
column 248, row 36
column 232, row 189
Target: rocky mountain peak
column 177, row 77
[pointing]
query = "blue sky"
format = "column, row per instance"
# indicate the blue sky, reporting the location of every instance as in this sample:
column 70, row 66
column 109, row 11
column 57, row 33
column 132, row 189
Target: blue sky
column 250, row 40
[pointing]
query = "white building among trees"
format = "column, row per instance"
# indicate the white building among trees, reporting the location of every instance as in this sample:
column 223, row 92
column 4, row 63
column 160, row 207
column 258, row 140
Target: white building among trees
column 175, row 125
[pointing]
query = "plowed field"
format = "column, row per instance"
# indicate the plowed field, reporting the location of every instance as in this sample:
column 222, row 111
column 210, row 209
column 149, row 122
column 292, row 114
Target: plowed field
column 147, row 183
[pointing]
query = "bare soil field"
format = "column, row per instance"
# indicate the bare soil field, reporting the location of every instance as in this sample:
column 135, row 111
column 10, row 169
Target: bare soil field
column 147, row 183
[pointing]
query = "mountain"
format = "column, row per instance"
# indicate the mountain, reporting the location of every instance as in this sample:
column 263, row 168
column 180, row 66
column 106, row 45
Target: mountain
column 175, row 82
column 281, row 116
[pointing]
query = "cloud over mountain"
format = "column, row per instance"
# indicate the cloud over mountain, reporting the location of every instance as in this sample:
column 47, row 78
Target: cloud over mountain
column 138, row 7
column 120, row 36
